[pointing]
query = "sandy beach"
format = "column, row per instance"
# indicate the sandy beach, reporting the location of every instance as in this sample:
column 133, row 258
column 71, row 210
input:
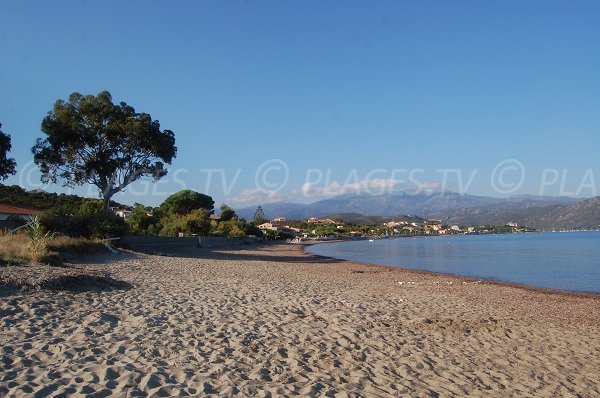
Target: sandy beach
column 272, row 321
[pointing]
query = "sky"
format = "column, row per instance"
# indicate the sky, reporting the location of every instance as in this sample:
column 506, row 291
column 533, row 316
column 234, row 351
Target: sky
column 298, row 101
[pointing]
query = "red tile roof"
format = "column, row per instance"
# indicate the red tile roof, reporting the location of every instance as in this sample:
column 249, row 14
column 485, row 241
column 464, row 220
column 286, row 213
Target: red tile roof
column 9, row 209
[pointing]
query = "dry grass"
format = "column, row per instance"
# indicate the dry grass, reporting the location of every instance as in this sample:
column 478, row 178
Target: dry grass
column 20, row 248
column 13, row 248
column 66, row 245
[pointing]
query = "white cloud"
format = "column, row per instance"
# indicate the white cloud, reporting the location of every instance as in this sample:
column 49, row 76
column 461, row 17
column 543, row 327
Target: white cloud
column 255, row 196
column 429, row 186
column 335, row 188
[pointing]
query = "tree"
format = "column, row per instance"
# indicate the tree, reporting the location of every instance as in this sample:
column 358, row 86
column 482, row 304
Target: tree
column 186, row 201
column 259, row 215
column 227, row 213
column 91, row 140
column 7, row 165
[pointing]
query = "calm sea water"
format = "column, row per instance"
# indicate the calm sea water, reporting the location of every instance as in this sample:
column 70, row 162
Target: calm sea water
column 565, row 261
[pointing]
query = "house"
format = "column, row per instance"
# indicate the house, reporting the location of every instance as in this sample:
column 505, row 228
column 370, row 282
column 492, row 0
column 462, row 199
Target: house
column 123, row 213
column 10, row 215
column 279, row 219
column 393, row 224
column 267, row 226
column 215, row 217
column 326, row 221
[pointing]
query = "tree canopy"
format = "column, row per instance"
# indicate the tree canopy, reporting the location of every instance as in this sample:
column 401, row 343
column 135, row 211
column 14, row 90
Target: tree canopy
column 7, row 165
column 91, row 140
column 227, row 213
column 186, row 201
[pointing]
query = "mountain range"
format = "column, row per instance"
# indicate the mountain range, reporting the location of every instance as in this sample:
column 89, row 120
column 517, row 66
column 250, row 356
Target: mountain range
column 543, row 212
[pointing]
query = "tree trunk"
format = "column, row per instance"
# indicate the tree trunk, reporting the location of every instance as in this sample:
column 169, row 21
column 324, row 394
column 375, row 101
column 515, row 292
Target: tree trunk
column 106, row 204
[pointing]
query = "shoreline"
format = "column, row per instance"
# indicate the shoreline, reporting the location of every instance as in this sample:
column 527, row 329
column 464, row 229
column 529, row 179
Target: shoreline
column 523, row 286
column 272, row 320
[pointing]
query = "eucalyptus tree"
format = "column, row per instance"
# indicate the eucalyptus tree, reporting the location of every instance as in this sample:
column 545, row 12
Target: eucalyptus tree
column 91, row 140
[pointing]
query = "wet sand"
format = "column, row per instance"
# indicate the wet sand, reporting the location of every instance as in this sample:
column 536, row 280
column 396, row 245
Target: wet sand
column 272, row 321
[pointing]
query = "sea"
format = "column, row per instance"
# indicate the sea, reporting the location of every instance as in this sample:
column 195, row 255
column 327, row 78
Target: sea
column 567, row 261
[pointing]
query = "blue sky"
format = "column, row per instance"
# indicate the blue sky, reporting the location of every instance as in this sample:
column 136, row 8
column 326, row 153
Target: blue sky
column 297, row 101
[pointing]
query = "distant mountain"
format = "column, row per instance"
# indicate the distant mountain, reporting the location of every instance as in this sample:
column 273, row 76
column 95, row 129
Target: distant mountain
column 450, row 207
column 582, row 214
column 377, row 205
column 433, row 205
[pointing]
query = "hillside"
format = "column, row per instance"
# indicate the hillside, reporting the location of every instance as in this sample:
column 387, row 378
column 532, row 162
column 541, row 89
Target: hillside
column 452, row 208
column 52, row 202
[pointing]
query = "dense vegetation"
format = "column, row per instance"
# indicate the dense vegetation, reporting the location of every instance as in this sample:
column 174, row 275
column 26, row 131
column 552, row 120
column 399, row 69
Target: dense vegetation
column 189, row 213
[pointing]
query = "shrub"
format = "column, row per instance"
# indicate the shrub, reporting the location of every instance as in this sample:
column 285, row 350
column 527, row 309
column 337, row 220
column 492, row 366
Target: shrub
column 141, row 223
column 86, row 225
column 36, row 246
column 97, row 225
column 251, row 229
column 197, row 222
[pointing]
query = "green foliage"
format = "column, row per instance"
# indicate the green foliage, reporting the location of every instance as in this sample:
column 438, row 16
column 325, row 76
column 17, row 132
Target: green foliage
column 227, row 213
column 326, row 230
column 141, row 222
column 250, row 229
column 232, row 227
column 90, row 207
column 259, row 215
column 99, row 225
column 186, row 201
column 91, row 140
column 86, row 225
column 197, row 222
column 7, row 165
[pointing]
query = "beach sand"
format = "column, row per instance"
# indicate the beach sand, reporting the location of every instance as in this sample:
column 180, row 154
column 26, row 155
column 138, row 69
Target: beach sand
column 272, row 321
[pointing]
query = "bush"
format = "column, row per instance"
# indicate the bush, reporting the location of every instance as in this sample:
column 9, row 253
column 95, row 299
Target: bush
column 89, row 226
column 195, row 223
column 98, row 225
column 251, row 229
column 141, row 223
